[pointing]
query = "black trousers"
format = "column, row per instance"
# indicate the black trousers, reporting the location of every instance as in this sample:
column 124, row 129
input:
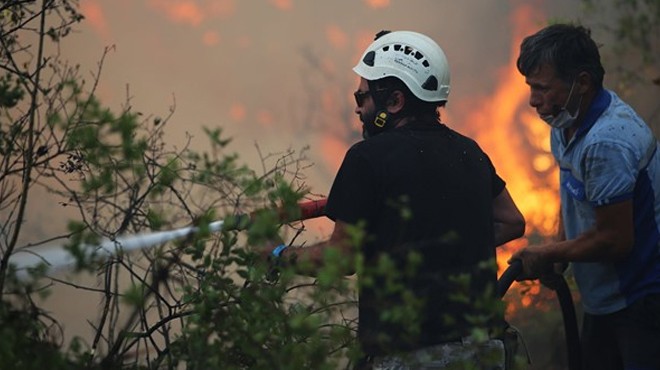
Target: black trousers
column 628, row 339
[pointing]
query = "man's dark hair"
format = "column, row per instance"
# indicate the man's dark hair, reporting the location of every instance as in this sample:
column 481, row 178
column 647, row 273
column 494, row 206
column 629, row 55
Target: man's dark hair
column 566, row 47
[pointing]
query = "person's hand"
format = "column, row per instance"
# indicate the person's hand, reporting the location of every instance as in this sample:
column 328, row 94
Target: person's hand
column 560, row 267
column 534, row 263
column 554, row 279
column 265, row 249
column 265, row 252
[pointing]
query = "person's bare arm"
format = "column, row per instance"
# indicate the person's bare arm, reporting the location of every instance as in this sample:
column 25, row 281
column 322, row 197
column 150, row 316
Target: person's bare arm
column 509, row 222
column 611, row 240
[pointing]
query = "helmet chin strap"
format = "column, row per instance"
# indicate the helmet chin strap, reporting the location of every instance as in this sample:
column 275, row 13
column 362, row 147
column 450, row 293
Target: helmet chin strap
column 382, row 120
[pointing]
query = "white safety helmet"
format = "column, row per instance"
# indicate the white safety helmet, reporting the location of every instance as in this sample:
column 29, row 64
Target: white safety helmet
column 413, row 58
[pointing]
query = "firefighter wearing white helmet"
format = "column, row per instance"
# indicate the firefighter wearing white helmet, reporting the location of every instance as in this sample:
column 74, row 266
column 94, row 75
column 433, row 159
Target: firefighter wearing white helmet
column 413, row 58
column 425, row 200
column 407, row 63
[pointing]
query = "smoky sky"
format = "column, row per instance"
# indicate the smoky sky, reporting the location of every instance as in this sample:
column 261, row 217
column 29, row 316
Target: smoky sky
column 279, row 72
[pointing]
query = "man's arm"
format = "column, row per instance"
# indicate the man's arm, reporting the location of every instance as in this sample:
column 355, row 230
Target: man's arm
column 611, row 240
column 509, row 222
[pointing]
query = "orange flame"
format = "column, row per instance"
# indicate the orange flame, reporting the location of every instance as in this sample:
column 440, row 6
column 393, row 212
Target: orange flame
column 518, row 141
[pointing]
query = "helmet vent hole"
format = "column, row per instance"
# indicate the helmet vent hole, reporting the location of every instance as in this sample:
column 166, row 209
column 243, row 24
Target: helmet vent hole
column 369, row 58
column 426, row 63
column 431, row 83
column 397, row 47
column 418, row 55
column 386, row 48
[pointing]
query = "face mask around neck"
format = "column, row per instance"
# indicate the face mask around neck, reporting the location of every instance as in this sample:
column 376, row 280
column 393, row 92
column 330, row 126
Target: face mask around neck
column 564, row 118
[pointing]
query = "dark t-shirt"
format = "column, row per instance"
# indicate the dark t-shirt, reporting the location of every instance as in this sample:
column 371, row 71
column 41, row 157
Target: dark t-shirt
column 426, row 189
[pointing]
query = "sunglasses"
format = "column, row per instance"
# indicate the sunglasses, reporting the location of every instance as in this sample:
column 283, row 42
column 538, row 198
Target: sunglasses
column 360, row 96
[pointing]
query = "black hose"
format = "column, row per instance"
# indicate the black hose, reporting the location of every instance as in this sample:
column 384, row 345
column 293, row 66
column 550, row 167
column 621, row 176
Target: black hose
column 508, row 277
column 557, row 283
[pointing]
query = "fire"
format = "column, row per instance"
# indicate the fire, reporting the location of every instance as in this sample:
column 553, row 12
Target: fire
column 518, row 143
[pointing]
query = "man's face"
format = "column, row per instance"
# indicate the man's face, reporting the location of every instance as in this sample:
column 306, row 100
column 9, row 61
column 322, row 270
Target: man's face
column 548, row 93
column 364, row 107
